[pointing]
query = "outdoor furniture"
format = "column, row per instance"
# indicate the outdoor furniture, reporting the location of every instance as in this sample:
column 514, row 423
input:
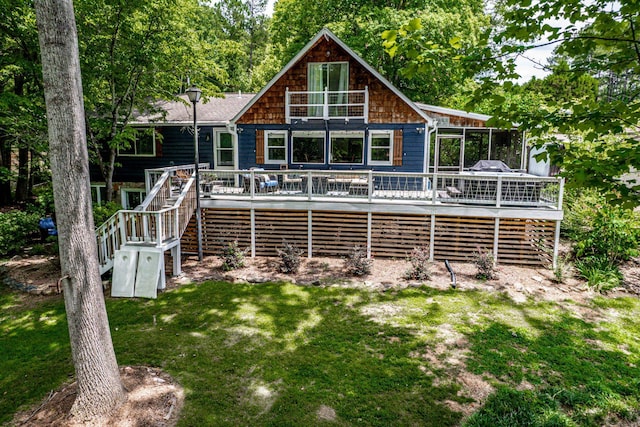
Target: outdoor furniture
column 359, row 187
column 291, row 182
column 263, row 182
column 180, row 179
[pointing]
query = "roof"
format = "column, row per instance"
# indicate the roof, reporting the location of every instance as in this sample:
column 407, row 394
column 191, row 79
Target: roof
column 325, row 32
column 212, row 111
column 452, row 112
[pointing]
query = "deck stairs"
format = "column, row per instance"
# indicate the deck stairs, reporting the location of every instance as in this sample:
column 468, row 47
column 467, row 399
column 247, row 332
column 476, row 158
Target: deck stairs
column 133, row 242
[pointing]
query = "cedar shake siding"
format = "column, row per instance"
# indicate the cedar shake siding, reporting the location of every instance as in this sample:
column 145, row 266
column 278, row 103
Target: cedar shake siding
column 384, row 105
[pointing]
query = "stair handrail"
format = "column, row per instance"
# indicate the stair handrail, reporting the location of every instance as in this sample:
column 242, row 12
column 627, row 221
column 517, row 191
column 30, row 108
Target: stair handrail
column 112, row 234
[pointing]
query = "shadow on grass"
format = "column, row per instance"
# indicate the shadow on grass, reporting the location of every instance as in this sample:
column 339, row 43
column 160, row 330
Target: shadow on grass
column 279, row 354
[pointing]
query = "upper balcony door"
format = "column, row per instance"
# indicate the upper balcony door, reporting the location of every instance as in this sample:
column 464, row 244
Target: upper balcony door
column 328, row 79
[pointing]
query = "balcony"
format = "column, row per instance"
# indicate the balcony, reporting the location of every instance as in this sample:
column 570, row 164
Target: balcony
column 327, row 105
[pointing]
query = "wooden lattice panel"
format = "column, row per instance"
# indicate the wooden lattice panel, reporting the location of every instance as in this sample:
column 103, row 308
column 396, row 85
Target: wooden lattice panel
column 336, row 233
column 272, row 227
column 458, row 238
column 219, row 227
column 395, row 236
column 525, row 241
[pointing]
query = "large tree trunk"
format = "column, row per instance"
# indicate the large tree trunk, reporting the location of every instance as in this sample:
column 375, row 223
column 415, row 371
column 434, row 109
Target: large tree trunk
column 100, row 389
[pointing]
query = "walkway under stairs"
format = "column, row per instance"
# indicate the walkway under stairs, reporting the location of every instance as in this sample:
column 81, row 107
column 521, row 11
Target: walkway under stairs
column 133, row 242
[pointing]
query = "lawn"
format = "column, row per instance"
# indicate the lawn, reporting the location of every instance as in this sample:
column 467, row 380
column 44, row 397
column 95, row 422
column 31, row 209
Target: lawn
column 281, row 354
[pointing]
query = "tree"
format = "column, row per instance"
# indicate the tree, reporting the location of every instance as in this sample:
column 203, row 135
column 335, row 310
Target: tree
column 22, row 123
column 100, row 389
column 360, row 25
column 600, row 40
column 133, row 53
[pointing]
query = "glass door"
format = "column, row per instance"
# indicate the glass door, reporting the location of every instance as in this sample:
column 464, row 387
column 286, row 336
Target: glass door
column 448, row 153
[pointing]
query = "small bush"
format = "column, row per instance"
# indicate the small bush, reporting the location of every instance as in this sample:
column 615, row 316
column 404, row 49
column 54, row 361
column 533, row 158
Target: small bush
column 599, row 274
column 232, row 256
column 15, row 229
column 289, row 257
column 103, row 212
column 420, row 265
column 357, row 263
column 485, row 263
column 562, row 270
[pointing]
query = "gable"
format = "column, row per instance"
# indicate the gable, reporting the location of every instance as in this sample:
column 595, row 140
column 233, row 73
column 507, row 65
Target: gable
column 385, row 105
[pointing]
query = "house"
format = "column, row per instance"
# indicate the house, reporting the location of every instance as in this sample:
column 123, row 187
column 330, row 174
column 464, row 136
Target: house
column 330, row 155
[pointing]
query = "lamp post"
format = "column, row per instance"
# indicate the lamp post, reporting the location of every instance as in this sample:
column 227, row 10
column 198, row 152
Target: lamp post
column 194, row 96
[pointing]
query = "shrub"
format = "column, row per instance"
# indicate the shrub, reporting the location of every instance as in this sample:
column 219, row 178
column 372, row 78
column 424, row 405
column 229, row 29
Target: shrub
column 562, row 270
column 599, row 274
column 232, row 256
column 103, row 212
column 485, row 263
column 357, row 263
column 15, row 229
column 420, row 265
column 289, row 257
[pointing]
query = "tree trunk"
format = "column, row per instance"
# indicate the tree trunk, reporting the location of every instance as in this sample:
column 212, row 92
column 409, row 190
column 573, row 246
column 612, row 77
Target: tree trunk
column 22, row 185
column 100, row 389
column 5, row 162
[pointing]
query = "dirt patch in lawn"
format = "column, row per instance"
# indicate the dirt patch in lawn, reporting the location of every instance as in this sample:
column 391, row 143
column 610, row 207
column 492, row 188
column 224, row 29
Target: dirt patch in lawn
column 154, row 399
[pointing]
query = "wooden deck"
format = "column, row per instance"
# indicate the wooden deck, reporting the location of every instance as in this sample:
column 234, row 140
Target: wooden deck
column 517, row 218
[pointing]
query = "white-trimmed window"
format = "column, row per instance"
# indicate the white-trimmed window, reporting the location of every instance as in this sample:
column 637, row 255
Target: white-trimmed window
column 98, row 193
column 380, row 147
column 131, row 197
column 308, row 147
column 275, row 146
column 347, row 147
column 224, row 149
column 144, row 144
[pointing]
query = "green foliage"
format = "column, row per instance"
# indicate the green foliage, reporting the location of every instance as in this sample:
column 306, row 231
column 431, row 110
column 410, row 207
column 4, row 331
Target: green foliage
column 562, row 270
column 485, row 265
column 604, row 235
column 16, row 227
column 420, row 264
column 289, row 257
column 232, row 256
column 600, row 274
column 103, row 212
column 356, row 263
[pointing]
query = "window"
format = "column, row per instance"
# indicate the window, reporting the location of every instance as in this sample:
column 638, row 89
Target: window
column 98, row 194
column 131, row 197
column 507, row 146
column 224, row 149
column 334, row 76
column 275, row 146
column 144, row 144
column 347, row 147
column 308, row 147
column 380, row 147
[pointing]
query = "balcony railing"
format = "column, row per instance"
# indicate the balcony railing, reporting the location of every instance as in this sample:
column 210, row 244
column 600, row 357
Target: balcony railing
column 326, row 105
column 498, row 190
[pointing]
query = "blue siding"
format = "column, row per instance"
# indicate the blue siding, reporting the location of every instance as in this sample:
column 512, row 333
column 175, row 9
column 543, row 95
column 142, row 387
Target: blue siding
column 412, row 146
column 176, row 149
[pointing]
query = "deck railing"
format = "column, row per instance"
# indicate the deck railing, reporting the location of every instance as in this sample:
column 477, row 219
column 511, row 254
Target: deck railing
column 150, row 223
column 497, row 190
column 326, row 104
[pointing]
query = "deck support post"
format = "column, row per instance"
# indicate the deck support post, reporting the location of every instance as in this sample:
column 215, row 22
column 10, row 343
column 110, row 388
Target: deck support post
column 309, row 233
column 556, row 244
column 253, row 232
column 496, row 239
column 369, row 220
column 432, row 237
column 175, row 255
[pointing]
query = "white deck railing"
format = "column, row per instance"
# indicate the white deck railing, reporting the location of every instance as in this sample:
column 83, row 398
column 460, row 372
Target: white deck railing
column 326, row 105
column 499, row 190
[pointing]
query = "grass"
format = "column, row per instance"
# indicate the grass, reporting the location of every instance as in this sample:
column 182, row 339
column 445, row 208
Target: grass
column 273, row 354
